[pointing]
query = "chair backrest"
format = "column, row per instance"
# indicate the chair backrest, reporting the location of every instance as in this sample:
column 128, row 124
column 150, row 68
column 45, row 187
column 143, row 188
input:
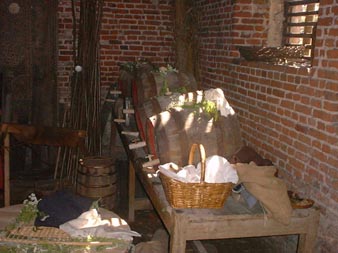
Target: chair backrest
column 38, row 135
column 43, row 135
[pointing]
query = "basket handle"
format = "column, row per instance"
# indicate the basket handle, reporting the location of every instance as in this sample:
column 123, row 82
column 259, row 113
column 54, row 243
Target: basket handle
column 202, row 157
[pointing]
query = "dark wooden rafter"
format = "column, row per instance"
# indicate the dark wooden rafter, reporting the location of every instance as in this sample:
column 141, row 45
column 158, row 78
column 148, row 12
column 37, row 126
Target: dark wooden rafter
column 186, row 44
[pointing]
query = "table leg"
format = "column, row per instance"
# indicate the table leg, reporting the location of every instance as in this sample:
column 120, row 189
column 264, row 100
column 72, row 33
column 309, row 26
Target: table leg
column 307, row 241
column 177, row 236
column 131, row 193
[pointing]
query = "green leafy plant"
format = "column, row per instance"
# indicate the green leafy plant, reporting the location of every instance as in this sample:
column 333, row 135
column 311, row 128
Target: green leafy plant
column 164, row 71
column 206, row 106
column 210, row 108
column 29, row 212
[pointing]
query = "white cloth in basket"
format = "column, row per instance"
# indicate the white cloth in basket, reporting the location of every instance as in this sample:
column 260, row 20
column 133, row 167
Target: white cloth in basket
column 218, row 170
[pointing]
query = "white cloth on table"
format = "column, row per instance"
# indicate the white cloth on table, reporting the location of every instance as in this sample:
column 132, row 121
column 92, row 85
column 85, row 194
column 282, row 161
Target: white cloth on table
column 218, row 170
column 90, row 224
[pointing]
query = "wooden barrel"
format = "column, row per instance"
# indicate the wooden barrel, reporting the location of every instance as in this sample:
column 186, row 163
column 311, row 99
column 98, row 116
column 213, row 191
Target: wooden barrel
column 125, row 82
column 144, row 87
column 177, row 81
column 149, row 108
column 159, row 104
column 149, row 84
column 97, row 179
column 171, row 133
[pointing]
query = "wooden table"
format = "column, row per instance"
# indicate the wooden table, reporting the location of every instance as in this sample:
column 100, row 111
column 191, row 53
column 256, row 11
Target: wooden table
column 235, row 220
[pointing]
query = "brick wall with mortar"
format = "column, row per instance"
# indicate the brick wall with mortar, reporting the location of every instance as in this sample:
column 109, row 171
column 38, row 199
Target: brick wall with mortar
column 287, row 114
column 130, row 30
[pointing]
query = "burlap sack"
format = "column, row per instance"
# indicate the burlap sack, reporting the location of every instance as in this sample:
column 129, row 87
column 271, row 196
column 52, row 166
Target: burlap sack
column 268, row 189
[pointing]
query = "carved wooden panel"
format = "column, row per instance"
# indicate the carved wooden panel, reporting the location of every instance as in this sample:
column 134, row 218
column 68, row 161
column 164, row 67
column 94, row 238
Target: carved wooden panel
column 27, row 60
column 15, row 59
column 28, row 70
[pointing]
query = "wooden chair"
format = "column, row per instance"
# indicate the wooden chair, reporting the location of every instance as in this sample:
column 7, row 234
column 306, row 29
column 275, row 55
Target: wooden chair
column 37, row 135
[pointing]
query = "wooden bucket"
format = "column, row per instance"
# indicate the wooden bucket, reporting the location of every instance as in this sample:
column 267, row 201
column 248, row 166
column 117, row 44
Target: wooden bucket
column 170, row 134
column 97, row 179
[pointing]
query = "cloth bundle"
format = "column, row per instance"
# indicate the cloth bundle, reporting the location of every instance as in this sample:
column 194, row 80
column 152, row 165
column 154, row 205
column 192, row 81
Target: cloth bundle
column 271, row 191
column 90, row 224
column 61, row 206
column 217, row 170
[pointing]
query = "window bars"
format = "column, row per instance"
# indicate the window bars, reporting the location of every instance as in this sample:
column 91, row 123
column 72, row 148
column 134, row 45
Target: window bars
column 300, row 25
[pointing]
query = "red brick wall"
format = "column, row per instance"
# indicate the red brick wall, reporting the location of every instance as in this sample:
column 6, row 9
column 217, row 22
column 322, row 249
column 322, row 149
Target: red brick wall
column 65, row 49
column 130, row 30
column 288, row 114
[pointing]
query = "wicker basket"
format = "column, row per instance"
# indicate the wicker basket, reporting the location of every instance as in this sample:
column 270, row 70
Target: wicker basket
column 195, row 195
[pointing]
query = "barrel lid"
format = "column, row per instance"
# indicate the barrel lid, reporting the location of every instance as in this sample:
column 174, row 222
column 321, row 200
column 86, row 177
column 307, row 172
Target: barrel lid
column 97, row 162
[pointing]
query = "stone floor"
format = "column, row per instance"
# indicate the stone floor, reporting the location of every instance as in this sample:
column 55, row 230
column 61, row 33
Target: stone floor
column 147, row 222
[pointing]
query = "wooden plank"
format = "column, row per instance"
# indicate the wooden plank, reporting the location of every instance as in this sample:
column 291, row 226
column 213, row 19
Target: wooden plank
column 198, row 247
column 45, row 135
column 142, row 204
column 7, row 182
column 131, row 193
column 130, row 133
column 106, row 109
column 139, row 144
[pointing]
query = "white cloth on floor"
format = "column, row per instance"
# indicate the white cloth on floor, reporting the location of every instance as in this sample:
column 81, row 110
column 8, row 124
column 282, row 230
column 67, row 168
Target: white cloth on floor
column 88, row 219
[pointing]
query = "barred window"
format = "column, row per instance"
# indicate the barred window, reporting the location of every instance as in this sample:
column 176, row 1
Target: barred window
column 300, row 25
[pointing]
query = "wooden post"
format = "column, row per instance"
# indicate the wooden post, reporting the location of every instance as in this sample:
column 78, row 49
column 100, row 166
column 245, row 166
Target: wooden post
column 185, row 35
column 131, row 193
column 307, row 241
column 6, row 169
column 177, row 235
